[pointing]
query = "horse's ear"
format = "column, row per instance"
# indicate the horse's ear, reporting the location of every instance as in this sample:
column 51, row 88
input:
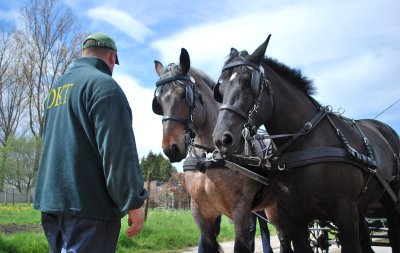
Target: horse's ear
column 234, row 52
column 259, row 53
column 184, row 61
column 159, row 67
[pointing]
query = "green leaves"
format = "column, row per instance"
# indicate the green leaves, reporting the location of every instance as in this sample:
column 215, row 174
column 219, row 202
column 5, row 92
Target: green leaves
column 160, row 167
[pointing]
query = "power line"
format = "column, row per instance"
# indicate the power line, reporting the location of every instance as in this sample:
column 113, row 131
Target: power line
column 387, row 108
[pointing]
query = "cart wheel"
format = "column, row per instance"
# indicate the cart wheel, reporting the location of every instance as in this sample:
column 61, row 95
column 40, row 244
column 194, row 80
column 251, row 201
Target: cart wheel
column 319, row 240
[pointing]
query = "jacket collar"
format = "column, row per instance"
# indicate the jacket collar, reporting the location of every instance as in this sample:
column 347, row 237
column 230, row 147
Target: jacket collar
column 95, row 62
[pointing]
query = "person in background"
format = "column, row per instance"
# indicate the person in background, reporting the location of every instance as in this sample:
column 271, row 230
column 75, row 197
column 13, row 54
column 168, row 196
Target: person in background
column 263, row 222
column 89, row 175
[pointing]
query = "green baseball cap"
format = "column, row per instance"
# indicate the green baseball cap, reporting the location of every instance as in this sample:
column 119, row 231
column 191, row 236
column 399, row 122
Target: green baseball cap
column 101, row 40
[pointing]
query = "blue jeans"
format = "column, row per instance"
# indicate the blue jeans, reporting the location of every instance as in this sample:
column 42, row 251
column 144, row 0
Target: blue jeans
column 72, row 234
column 217, row 228
column 264, row 231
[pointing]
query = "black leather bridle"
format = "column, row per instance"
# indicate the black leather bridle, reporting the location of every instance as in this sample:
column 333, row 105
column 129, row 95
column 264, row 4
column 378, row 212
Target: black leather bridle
column 258, row 81
column 190, row 93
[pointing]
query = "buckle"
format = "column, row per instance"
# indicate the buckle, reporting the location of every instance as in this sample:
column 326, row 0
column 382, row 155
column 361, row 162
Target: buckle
column 255, row 161
column 281, row 167
column 214, row 156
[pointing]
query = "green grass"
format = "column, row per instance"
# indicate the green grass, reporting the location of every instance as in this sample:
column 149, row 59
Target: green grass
column 164, row 231
column 19, row 213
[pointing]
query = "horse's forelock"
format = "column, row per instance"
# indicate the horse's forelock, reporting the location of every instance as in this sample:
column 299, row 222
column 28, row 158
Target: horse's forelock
column 171, row 70
column 174, row 69
column 244, row 54
column 240, row 56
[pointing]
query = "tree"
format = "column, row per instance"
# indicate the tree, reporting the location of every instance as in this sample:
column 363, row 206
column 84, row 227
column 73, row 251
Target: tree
column 159, row 166
column 51, row 40
column 12, row 89
column 19, row 166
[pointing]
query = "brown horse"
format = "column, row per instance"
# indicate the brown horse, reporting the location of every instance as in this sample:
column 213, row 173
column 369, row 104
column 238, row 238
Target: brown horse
column 327, row 167
column 184, row 97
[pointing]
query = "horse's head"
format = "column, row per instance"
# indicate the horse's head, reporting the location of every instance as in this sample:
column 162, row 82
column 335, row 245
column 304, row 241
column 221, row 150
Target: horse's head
column 240, row 89
column 174, row 99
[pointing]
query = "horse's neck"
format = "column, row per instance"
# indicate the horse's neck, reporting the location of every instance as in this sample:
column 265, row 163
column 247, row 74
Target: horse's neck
column 205, row 119
column 291, row 107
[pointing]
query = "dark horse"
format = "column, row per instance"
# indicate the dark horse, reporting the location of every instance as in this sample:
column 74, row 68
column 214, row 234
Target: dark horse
column 326, row 166
column 184, row 96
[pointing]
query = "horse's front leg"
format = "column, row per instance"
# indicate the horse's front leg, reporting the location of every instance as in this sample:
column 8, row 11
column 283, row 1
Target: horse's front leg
column 347, row 222
column 299, row 234
column 295, row 231
column 284, row 239
column 209, row 230
column 285, row 242
column 241, row 218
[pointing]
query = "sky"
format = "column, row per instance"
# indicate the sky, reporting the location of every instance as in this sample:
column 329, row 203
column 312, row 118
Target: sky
column 350, row 49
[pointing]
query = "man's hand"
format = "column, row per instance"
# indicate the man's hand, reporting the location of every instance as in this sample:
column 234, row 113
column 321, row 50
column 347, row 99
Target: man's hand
column 135, row 221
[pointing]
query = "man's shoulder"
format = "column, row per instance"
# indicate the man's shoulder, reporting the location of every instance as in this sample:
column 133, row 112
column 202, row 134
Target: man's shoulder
column 90, row 77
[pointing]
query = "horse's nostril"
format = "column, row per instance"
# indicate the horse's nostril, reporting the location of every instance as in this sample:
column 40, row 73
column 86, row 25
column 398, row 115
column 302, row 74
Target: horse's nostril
column 174, row 149
column 218, row 143
column 228, row 140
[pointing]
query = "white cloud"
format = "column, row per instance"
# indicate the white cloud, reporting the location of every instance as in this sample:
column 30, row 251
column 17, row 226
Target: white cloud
column 122, row 21
column 360, row 84
column 146, row 125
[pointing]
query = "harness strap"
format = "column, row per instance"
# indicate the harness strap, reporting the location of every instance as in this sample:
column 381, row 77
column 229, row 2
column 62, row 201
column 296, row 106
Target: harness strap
column 173, row 78
column 390, row 191
column 246, row 160
column 267, row 136
column 368, row 160
column 175, row 118
column 299, row 158
column 235, row 109
column 304, row 130
column 240, row 63
column 207, row 149
column 202, row 164
column 242, row 170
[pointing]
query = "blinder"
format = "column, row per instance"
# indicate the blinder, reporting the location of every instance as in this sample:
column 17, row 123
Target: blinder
column 189, row 92
column 256, row 73
column 217, row 94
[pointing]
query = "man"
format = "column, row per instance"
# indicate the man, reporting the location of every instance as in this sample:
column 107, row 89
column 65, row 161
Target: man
column 89, row 175
column 263, row 222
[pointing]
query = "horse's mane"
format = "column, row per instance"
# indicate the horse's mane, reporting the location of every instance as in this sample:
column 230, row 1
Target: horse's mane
column 206, row 78
column 293, row 75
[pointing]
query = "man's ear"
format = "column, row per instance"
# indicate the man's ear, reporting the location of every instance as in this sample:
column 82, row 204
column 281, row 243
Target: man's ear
column 113, row 58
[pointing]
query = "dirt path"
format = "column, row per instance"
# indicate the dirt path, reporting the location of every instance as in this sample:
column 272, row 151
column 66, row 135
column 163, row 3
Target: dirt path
column 228, row 246
column 14, row 228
